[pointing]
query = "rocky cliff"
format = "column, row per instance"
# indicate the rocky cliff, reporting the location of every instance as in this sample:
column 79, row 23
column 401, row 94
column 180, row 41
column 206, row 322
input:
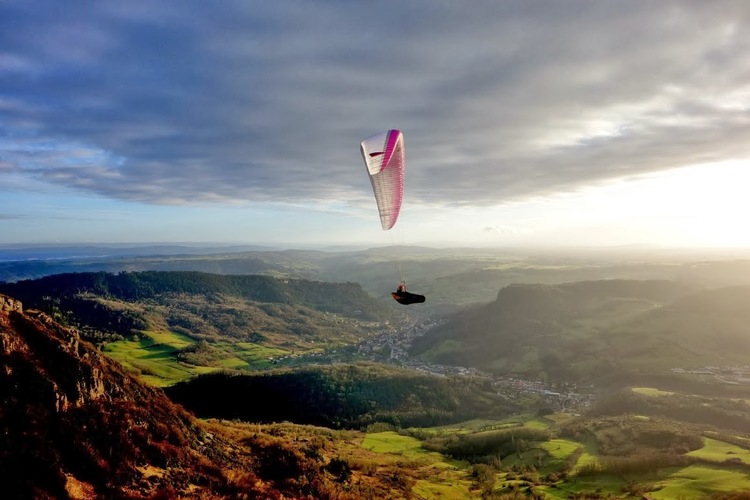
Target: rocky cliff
column 74, row 424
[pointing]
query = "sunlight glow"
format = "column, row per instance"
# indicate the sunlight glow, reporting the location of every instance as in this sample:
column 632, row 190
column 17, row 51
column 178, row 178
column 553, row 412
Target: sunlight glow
column 703, row 205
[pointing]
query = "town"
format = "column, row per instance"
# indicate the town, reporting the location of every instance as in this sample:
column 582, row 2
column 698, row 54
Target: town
column 389, row 342
column 729, row 374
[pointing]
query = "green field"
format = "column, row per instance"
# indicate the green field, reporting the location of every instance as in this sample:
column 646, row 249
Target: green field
column 407, row 447
column 443, row 477
column 720, row 451
column 437, row 488
column 439, row 477
column 479, row 425
column 560, row 449
column 153, row 357
column 601, row 486
column 247, row 355
column 452, row 479
column 650, row 391
column 700, row 481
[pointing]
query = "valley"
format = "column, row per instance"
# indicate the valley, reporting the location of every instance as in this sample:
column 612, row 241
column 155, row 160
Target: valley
column 554, row 389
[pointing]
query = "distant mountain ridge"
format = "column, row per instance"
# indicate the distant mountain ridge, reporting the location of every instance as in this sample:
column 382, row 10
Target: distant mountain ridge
column 449, row 277
column 140, row 285
column 56, row 252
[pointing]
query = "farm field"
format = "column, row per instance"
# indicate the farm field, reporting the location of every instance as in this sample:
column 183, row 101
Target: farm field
column 558, row 467
column 154, row 357
column 700, row 481
column 718, row 451
column 560, row 449
column 650, row 391
column 407, row 447
column 441, row 477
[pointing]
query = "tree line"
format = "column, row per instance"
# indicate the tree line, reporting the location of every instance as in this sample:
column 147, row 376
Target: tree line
column 344, row 298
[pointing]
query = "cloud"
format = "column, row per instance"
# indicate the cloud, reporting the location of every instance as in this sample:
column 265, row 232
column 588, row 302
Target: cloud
column 193, row 103
column 500, row 230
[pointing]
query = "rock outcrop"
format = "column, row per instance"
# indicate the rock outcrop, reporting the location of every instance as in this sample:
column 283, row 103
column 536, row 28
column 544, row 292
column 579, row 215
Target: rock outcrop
column 74, row 424
column 8, row 305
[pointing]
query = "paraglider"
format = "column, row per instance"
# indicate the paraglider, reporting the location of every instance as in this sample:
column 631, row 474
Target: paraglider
column 403, row 297
column 383, row 154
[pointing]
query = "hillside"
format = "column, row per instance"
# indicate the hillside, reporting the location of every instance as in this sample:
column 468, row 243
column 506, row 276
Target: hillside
column 344, row 298
column 172, row 325
column 349, row 396
column 609, row 331
column 73, row 424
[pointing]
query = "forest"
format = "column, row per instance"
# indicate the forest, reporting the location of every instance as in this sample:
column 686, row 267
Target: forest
column 133, row 286
column 342, row 396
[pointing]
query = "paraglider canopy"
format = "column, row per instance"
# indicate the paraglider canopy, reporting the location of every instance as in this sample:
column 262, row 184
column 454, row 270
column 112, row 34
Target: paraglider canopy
column 383, row 154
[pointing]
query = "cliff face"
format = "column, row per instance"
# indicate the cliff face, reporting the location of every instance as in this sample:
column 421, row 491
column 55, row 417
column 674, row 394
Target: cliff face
column 53, row 360
column 8, row 305
column 73, row 424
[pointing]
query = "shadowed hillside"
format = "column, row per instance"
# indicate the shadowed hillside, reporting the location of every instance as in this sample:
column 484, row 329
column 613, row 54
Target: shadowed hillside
column 603, row 330
column 709, row 327
column 73, row 424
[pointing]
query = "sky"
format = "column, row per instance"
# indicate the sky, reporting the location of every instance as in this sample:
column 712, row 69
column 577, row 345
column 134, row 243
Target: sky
column 529, row 122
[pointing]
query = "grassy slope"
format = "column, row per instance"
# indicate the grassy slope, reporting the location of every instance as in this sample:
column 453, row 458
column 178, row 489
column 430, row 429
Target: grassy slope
column 154, row 357
column 700, row 481
column 440, row 477
column 719, row 451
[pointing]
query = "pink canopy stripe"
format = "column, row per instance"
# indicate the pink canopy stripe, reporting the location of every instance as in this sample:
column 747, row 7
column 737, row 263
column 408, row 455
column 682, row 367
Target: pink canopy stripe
column 384, row 159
